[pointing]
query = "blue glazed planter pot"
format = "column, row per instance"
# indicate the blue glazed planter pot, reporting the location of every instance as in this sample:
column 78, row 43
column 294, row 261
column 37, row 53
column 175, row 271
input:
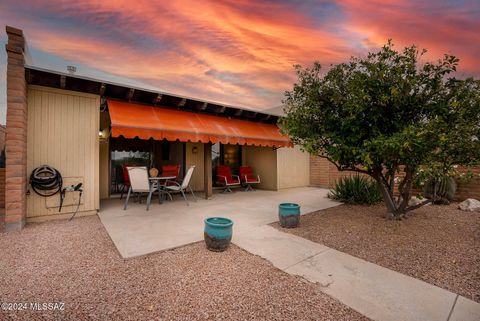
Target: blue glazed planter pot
column 218, row 233
column 289, row 214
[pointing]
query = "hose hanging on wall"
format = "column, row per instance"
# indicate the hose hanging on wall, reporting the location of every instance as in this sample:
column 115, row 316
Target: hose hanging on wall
column 46, row 181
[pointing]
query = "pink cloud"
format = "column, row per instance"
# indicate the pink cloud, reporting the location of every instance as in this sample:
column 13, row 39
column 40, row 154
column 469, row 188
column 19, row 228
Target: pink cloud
column 439, row 26
column 238, row 52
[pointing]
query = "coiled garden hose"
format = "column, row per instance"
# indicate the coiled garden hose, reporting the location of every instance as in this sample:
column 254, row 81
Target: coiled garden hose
column 46, row 181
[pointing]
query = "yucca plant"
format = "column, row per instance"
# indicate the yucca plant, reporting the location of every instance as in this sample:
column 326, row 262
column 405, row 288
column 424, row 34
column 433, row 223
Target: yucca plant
column 356, row 189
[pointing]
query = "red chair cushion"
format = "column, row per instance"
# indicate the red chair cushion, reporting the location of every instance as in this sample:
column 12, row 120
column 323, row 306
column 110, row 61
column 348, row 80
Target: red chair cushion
column 170, row 170
column 126, row 178
column 223, row 170
column 247, row 171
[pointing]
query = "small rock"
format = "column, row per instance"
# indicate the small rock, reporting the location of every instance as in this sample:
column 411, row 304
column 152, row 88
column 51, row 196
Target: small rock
column 470, row 205
column 414, row 201
column 149, row 307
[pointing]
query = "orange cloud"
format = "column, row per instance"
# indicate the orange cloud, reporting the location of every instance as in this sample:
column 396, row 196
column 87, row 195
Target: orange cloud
column 439, row 26
column 238, row 52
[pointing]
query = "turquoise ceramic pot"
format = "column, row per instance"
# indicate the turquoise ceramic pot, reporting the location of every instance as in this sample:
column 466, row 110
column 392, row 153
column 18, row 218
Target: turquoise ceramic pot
column 218, row 233
column 289, row 214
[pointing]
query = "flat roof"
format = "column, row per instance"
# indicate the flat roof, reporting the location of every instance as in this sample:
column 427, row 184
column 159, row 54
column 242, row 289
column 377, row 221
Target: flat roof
column 108, row 89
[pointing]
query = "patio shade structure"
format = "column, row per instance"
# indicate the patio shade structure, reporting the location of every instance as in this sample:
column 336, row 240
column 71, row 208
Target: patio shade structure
column 132, row 120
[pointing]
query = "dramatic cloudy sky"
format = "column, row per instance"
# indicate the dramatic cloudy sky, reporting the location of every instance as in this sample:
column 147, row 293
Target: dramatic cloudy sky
column 238, row 52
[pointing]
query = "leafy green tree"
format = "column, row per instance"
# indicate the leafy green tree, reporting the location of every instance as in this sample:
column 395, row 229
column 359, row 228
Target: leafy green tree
column 384, row 115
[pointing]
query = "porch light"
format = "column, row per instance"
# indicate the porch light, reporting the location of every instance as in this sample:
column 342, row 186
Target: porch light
column 194, row 150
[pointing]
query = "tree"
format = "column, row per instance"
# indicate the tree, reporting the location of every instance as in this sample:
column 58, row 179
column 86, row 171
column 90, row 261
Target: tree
column 384, row 114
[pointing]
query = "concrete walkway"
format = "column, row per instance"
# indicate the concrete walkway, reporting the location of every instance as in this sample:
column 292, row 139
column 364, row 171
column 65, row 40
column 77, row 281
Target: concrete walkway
column 372, row 290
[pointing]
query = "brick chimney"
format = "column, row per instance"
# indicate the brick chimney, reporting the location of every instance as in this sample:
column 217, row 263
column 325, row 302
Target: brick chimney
column 16, row 136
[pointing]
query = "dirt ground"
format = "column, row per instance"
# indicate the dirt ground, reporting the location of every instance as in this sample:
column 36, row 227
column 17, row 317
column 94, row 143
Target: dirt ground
column 437, row 244
column 76, row 263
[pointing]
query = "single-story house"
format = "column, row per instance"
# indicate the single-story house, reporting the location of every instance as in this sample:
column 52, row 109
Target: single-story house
column 85, row 127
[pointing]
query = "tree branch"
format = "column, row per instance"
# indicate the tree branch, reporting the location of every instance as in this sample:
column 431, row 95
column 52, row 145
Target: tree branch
column 413, row 207
column 343, row 169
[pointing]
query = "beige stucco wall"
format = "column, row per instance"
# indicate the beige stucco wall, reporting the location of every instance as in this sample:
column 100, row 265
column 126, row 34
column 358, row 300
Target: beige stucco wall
column 263, row 161
column 63, row 132
column 293, row 167
column 196, row 159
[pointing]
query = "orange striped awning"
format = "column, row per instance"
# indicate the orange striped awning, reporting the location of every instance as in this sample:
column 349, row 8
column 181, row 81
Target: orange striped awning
column 134, row 120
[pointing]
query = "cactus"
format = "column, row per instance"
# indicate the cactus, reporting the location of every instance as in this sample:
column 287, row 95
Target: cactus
column 442, row 189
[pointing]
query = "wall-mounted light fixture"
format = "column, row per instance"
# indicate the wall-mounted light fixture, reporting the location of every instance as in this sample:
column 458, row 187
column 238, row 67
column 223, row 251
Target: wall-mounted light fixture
column 103, row 135
column 194, row 150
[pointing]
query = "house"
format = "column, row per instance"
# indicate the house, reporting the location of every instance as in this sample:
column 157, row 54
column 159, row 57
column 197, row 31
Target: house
column 86, row 127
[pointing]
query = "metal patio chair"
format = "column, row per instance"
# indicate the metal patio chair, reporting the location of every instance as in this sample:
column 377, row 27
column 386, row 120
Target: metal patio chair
column 139, row 183
column 247, row 178
column 183, row 187
column 225, row 178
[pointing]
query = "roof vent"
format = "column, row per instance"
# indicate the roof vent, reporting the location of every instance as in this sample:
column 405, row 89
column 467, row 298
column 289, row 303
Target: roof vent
column 71, row 69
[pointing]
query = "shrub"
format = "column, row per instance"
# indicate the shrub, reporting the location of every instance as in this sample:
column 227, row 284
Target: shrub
column 356, row 190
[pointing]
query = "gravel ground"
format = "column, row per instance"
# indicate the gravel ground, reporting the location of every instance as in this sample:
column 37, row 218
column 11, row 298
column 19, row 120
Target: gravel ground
column 437, row 244
column 76, row 263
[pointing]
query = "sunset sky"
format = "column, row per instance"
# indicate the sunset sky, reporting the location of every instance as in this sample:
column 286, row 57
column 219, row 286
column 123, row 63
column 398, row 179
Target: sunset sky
column 238, row 52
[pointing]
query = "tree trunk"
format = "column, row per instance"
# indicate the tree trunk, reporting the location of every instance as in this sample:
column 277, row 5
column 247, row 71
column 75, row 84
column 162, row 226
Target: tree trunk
column 387, row 196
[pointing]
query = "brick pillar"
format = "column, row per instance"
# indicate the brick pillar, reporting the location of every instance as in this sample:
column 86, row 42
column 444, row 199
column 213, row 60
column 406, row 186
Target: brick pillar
column 16, row 137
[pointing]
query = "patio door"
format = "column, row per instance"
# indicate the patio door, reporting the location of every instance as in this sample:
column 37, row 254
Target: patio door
column 226, row 154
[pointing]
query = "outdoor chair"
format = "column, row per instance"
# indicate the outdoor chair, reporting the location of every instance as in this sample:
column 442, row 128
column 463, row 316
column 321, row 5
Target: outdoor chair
column 225, row 178
column 247, row 178
column 171, row 170
column 126, row 179
column 139, row 183
column 175, row 186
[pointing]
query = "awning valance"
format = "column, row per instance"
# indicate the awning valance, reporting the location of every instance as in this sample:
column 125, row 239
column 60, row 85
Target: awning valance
column 134, row 120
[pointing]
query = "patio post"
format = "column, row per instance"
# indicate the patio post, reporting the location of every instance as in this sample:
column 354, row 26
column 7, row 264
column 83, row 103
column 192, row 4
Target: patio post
column 207, row 162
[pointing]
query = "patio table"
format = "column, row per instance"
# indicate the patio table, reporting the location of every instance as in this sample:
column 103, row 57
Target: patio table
column 161, row 187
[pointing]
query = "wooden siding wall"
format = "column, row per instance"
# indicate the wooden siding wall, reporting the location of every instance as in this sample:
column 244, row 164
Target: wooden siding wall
column 196, row 159
column 63, row 132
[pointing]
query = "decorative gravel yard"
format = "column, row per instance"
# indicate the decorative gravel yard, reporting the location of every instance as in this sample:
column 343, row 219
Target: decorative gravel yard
column 76, row 263
column 437, row 244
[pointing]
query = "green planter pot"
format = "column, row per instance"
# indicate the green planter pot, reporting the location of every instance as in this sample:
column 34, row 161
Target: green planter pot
column 289, row 214
column 218, row 233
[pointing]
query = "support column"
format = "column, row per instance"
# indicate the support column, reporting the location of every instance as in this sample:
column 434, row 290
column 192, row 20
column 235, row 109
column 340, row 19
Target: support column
column 207, row 165
column 16, row 137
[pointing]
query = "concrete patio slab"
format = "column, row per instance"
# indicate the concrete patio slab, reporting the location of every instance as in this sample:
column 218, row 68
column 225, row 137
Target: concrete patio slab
column 169, row 225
